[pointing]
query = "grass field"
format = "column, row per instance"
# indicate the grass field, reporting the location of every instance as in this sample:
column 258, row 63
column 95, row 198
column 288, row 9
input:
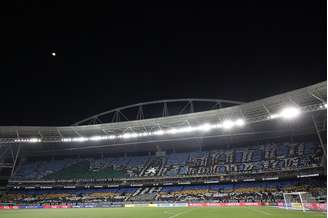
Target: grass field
column 227, row 212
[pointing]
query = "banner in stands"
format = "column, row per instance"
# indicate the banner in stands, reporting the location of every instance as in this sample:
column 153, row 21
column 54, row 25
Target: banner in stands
column 30, row 207
column 316, row 206
column 89, row 206
column 109, row 205
column 97, row 205
column 9, row 207
column 203, row 204
column 280, row 204
column 158, row 205
column 296, row 205
column 224, row 204
column 139, row 205
column 77, row 206
column 310, row 206
column 173, row 205
column 57, row 206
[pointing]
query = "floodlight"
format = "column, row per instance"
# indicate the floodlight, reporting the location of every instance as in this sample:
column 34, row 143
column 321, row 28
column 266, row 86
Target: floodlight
column 240, row 122
column 96, row 138
column 227, row 124
column 205, row 127
column 290, row 113
column 186, row 129
column 129, row 135
column 134, row 135
column 126, row 135
column 218, row 125
column 274, row 116
column 158, row 132
column 34, row 140
column 112, row 137
column 143, row 134
column 80, row 139
column 172, row 131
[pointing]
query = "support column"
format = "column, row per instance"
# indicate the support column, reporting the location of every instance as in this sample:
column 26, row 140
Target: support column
column 15, row 157
column 319, row 136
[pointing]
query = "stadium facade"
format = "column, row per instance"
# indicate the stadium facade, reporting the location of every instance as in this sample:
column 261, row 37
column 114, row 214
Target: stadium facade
column 196, row 150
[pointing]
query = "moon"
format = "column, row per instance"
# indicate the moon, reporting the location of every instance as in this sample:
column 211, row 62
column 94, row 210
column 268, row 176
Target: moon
column 53, row 54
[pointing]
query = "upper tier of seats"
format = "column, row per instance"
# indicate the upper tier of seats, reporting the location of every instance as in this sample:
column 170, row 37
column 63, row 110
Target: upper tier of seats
column 247, row 159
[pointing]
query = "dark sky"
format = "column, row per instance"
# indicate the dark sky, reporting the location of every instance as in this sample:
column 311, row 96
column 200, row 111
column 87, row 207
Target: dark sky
column 122, row 53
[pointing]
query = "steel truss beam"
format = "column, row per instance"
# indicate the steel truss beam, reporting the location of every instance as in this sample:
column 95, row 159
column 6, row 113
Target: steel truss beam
column 190, row 101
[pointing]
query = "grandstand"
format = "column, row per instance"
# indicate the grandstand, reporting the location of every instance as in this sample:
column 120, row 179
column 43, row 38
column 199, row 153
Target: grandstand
column 222, row 153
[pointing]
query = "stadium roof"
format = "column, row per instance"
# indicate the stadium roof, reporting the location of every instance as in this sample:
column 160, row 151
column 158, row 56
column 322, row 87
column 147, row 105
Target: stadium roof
column 309, row 99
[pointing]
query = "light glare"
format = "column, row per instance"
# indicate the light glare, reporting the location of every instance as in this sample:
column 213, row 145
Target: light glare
column 290, row 113
column 172, row 131
column 227, row 124
column 159, row 132
column 205, row 127
column 240, row 122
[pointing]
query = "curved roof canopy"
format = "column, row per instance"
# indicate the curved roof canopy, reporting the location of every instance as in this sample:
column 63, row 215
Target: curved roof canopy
column 308, row 99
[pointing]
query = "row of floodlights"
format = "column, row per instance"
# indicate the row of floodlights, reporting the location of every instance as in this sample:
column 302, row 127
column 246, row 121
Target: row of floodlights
column 227, row 124
column 287, row 113
column 28, row 140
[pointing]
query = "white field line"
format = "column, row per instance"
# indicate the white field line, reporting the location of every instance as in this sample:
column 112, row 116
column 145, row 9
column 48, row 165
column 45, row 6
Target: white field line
column 259, row 211
column 169, row 212
column 178, row 214
column 316, row 213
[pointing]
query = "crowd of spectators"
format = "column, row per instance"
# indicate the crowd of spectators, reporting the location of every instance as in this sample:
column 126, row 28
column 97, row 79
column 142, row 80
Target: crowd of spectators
column 265, row 191
column 243, row 160
column 237, row 174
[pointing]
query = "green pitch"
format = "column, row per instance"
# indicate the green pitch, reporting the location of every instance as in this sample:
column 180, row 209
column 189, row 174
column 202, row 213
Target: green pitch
column 227, row 212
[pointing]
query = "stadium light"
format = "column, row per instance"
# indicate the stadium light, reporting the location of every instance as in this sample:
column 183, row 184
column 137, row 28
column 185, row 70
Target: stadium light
column 228, row 124
column 205, row 127
column 28, row 140
column 172, row 131
column 240, row 122
column 34, row 140
column 290, row 113
column 112, row 137
column 287, row 113
column 80, row 139
column 218, row 126
column 97, row 138
column 158, row 132
column 144, row 134
column 128, row 135
column 274, row 116
column 188, row 129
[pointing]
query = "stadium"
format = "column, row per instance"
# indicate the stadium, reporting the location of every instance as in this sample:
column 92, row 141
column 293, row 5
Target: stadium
column 174, row 158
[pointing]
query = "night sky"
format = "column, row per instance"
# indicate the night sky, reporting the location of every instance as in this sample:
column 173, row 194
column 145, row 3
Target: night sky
column 121, row 53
